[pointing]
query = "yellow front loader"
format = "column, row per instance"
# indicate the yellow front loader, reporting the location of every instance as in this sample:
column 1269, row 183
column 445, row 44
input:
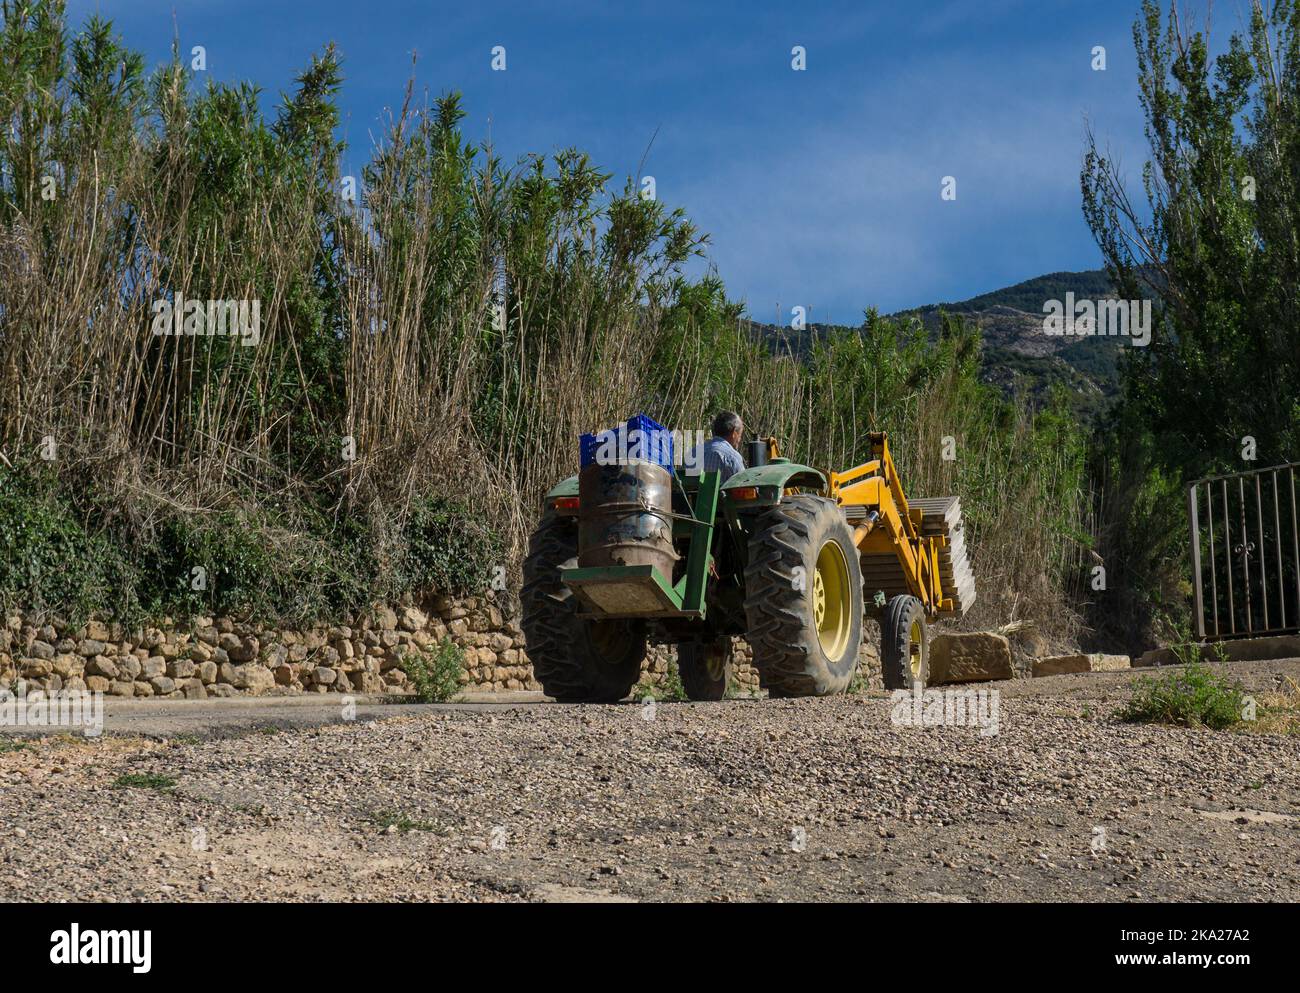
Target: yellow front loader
column 912, row 556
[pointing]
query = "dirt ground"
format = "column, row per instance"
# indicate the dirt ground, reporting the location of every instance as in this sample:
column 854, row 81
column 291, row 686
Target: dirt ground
column 741, row 800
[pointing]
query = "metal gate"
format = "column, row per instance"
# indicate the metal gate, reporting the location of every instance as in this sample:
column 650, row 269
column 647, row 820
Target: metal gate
column 1245, row 553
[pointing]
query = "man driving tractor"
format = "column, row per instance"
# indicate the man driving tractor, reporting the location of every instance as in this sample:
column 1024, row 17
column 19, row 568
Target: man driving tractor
column 721, row 453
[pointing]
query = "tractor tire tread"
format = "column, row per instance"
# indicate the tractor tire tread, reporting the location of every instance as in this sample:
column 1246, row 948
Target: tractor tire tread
column 786, row 652
column 895, row 642
column 554, row 633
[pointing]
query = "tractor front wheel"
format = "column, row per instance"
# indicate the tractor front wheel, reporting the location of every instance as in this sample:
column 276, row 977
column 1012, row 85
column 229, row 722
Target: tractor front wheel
column 803, row 598
column 703, row 668
column 904, row 644
column 576, row 659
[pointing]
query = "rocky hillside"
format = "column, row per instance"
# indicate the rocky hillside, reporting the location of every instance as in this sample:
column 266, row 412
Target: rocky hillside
column 1017, row 356
column 1020, row 358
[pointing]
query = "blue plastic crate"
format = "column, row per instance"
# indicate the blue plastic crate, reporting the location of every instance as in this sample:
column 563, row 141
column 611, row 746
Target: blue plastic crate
column 641, row 439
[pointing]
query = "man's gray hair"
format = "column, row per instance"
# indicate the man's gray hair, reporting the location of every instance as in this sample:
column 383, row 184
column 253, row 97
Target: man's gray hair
column 725, row 423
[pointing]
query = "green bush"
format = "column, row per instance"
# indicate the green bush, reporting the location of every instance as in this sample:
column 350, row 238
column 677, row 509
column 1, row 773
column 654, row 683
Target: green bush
column 448, row 548
column 273, row 567
column 49, row 560
column 254, row 565
column 1194, row 697
column 289, row 564
column 435, row 672
column 667, row 690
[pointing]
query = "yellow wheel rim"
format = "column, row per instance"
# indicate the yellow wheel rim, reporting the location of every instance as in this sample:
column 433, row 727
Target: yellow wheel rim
column 915, row 644
column 832, row 600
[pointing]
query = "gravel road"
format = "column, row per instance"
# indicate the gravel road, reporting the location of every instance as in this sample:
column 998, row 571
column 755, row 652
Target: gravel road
column 742, row 800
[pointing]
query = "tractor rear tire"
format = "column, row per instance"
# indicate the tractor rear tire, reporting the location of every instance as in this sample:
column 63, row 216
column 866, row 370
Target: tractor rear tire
column 904, row 644
column 704, row 668
column 803, row 599
column 576, row 659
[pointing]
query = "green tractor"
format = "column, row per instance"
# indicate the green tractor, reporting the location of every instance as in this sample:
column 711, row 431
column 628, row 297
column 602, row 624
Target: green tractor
column 632, row 553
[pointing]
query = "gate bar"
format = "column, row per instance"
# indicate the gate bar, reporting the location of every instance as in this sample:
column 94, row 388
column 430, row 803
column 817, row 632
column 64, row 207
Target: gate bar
column 1198, row 601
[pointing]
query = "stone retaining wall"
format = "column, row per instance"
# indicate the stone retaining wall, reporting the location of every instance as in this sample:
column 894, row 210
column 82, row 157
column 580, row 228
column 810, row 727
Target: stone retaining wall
column 222, row 657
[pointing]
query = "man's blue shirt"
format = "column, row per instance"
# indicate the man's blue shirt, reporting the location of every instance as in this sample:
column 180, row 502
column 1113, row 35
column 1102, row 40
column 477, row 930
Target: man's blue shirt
column 720, row 456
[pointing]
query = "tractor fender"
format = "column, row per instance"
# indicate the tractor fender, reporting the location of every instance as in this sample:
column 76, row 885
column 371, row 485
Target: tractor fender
column 776, row 476
column 564, row 488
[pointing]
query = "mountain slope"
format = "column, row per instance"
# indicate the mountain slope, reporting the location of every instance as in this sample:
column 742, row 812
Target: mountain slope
column 1021, row 358
column 1018, row 355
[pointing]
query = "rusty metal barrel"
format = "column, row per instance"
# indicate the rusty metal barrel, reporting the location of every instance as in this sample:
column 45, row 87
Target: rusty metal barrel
column 625, row 516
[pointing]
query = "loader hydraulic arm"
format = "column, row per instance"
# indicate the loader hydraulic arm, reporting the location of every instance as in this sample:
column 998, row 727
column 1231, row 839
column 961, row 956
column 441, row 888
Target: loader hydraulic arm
column 885, row 526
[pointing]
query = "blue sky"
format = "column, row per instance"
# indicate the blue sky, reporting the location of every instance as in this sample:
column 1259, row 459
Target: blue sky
column 819, row 188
